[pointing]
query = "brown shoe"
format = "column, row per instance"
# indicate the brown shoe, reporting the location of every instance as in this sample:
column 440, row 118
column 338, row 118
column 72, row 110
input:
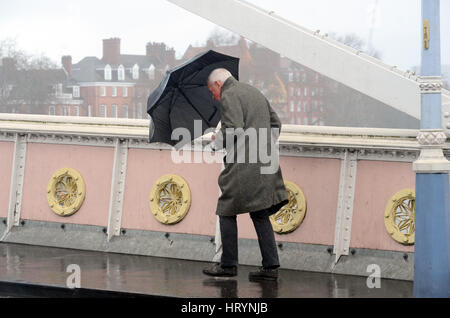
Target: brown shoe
column 219, row 271
column 264, row 274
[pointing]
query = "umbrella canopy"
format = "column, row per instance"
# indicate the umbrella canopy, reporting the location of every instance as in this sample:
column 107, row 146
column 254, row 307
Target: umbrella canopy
column 183, row 97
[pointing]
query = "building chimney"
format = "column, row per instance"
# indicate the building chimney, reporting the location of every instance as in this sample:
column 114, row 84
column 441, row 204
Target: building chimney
column 155, row 49
column 170, row 57
column 111, row 51
column 161, row 53
column 66, row 62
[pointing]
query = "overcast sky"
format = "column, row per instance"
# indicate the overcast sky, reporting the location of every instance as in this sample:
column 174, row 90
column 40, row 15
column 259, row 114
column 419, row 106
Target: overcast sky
column 76, row 27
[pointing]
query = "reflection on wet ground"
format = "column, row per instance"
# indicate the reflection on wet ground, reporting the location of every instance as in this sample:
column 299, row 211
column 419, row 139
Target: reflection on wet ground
column 173, row 277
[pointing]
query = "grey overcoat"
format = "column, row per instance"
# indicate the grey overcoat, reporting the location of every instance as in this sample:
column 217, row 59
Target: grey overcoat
column 244, row 187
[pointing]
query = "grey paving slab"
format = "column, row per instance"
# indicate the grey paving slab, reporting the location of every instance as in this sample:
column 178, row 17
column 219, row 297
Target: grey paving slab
column 156, row 276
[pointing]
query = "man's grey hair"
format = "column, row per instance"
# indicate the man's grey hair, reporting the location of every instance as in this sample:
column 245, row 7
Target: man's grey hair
column 219, row 74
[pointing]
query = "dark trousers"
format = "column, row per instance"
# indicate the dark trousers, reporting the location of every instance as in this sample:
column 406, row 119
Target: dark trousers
column 266, row 239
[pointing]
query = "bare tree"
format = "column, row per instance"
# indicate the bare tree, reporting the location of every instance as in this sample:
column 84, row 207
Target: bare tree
column 355, row 42
column 220, row 37
column 27, row 82
column 347, row 107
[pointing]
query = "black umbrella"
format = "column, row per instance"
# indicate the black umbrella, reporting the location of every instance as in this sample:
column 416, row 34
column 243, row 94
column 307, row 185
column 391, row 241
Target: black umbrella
column 183, row 96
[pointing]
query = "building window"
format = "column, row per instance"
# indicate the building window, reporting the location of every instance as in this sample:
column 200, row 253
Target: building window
column 114, row 91
column 135, row 72
column 125, row 111
column 76, row 91
column 59, row 90
column 125, row 91
column 108, row 72
column 304, row 106
column 102, row 91
column 299, row 107
column 305, row 92
column 65, row 111
column 291, row 91
column 102, row 110
column 139, row 110
column 316, row 105
column 76, row 110
column 90, row 110
column 114, row 111
column 151, row 72
column 291, row 104
column 121, row 73
column 51, row 110
column 291, row 76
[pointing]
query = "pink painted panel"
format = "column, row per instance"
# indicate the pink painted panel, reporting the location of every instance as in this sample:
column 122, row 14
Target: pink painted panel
column 319, row 181
column 318, row 178
column 145, row 167
column 93, row 163
column 6, row 161
column 376, row 183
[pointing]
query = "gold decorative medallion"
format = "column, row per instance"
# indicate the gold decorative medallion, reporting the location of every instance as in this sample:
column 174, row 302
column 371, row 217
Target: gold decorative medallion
column 66, row 191
column 399, row 216
column 292, row 214
column 170, row 199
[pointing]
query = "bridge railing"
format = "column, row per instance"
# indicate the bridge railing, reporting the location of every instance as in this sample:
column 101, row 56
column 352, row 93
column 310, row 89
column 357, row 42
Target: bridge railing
column 348, row 201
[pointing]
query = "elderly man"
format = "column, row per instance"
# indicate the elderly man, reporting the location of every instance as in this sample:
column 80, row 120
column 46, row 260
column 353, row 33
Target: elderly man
column 246, row 187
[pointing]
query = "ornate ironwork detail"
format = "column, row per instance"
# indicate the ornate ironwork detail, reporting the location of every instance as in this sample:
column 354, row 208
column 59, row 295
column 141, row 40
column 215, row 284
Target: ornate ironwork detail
column 399, row 216
column 170, row 199
column 431, row 137
column 430, row 84
column 292, row 214
column 66, row 191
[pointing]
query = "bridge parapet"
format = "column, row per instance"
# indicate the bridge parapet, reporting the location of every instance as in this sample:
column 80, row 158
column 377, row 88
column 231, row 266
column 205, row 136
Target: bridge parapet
column 347, row 176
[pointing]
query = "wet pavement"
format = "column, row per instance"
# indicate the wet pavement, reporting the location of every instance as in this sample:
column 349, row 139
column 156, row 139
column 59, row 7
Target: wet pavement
column 25, row 269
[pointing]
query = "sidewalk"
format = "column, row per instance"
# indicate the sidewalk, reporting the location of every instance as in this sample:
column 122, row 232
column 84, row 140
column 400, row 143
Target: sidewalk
column 36, row 271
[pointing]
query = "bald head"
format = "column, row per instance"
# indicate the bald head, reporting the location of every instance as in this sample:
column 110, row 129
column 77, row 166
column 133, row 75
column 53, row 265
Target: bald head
column 219, row 75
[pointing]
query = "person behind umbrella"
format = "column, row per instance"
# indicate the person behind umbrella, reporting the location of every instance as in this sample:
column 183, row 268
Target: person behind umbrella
column 245, row 189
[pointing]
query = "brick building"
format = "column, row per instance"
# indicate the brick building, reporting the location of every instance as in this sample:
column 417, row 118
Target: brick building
column 117, row 85
column 305, row 95
column 295, row 92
